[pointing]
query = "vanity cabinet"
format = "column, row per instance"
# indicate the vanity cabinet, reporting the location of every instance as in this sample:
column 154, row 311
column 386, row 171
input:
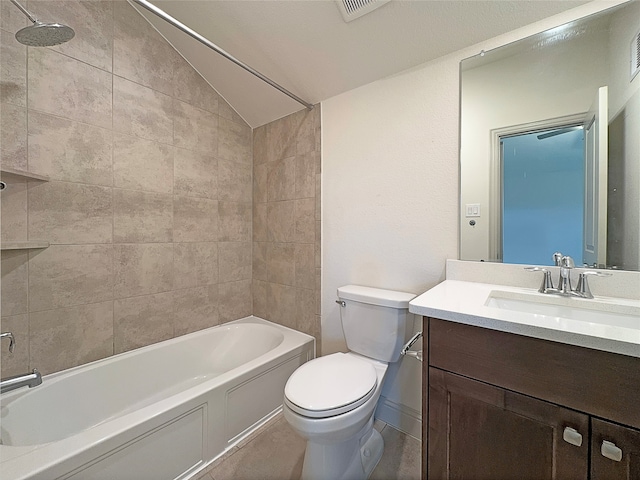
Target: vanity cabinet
column 503, row 406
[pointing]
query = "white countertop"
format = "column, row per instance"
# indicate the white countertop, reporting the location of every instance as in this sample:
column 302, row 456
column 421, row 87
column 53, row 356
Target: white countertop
column 465, row 302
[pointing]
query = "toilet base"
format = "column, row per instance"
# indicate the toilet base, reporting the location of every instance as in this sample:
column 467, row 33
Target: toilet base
column 352, row 459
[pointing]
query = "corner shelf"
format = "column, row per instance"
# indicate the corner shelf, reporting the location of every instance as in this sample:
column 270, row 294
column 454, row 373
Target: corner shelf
column 28, row 245
column 9, row 174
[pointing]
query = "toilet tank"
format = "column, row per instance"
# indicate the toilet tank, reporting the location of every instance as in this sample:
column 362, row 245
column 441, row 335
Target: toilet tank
column 374, row 321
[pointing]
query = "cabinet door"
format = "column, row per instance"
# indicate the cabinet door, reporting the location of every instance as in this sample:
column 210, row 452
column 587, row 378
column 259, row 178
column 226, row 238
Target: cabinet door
column 615, row 452
column 481, row 432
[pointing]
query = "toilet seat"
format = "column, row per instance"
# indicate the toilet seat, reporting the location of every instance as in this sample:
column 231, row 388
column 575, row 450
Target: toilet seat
column 330, row 385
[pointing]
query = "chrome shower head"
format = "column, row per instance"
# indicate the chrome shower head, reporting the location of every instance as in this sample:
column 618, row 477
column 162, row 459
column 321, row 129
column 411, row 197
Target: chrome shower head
column 42, row 34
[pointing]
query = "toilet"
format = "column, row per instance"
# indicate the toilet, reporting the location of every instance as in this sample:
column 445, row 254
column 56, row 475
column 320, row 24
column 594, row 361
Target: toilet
column 330, row 401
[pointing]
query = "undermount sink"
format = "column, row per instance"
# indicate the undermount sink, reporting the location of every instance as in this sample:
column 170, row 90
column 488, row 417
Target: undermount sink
column 550, row 306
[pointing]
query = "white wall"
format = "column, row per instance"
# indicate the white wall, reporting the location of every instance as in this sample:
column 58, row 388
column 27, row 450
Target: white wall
column 390, row 189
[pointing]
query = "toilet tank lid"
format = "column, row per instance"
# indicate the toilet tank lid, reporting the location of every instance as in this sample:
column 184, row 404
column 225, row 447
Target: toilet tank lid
column 375, row 296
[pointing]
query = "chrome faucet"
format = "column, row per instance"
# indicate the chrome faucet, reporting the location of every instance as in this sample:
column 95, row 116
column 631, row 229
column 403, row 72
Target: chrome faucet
column 566, row 264
column 12, row 341
column 564, row 283
column 30, row 380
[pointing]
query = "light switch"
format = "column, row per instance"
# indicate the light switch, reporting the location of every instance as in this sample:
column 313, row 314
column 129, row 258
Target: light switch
column 472, row 210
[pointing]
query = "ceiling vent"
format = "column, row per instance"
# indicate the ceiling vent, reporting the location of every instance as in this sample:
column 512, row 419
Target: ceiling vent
column 635, row 55
column 352, row 9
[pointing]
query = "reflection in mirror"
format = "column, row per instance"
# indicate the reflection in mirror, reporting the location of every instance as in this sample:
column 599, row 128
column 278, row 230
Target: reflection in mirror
column 550, row 146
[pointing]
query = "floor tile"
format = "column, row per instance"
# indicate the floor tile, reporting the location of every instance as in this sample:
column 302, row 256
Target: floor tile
column 276, row 452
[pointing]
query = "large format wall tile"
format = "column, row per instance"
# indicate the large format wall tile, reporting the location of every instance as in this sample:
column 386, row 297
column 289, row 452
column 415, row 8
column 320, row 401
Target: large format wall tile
column 11, row 19
column 305, row 276
column 281, row 180
column 69, row 88
column 281, row 221
column 14, row 212
column 13, row 70
column 15, row 282
column 226, row 111
column 141, row 321
column 234, row 184
column 140, row 53
column 194, row 219
column 140, row 164
column 16, row 363
column 191, row 88
column 142, row 269
column 91, row 20
column 13, row 136
column 141, row 153
column 281, row 304
column 305, row 212
column 65, row 275
column 195, row 129
column 235, row 261
column 142, row 216
column 281, row 263
column 195, row 264
column 70, row 213
column 195, row 309
column 141, row 111
column 234, row 142
column 195, row 174
column 235, row 222
column 67, row 337
column 66, row 150
column 234, row 300
column 305, row 183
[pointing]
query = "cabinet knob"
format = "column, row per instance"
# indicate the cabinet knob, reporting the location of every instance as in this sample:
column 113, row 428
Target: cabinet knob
column 609, row 450
column 571, row 435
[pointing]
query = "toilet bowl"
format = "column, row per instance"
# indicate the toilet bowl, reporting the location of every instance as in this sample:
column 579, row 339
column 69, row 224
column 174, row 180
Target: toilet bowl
column 341, row 441
column 331, row 401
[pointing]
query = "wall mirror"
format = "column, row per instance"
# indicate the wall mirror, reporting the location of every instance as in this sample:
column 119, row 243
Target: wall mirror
column 550, row 146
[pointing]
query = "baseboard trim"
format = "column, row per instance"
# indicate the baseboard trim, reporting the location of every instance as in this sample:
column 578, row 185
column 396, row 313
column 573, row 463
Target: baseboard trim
column 400, row 417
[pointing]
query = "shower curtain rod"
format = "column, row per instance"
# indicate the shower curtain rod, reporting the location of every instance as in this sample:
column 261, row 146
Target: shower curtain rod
column 180, row 26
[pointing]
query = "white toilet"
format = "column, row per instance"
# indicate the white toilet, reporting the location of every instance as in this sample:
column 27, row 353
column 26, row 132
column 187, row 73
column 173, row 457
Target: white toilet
column 331, row 400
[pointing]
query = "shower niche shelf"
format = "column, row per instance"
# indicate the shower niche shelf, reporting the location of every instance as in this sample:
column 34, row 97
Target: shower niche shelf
column 7, row 176
column 26, row 245
column 11, row 174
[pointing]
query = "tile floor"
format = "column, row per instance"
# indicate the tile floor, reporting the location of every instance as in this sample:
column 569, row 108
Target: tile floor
column 276, row 452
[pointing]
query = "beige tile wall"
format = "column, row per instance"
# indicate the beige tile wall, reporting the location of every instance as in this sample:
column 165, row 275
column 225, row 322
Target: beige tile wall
column 149, row 207
column 286, row 221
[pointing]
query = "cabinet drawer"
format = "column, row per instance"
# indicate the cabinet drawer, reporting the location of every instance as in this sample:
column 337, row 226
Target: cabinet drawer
column 592, row 381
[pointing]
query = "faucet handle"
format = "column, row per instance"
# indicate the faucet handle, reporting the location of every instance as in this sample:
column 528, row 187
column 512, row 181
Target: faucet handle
column 583, row 286
column 557, row 259
column 547, row 282
column 12, row 341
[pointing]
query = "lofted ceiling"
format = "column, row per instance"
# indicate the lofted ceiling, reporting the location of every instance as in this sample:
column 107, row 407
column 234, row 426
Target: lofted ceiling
column 307, row 47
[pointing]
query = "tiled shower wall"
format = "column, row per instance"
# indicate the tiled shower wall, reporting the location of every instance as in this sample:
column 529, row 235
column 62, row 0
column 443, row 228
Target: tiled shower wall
column 286, row 221
column 149, row 207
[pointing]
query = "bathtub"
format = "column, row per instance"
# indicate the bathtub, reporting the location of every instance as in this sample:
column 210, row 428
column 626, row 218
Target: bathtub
column 164, row 411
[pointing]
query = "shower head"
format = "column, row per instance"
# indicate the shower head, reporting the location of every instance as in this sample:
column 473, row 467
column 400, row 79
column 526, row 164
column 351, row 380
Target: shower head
column 42, row 34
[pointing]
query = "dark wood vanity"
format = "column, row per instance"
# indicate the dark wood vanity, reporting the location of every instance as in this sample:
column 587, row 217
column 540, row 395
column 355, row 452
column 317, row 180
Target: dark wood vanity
column 502, row 406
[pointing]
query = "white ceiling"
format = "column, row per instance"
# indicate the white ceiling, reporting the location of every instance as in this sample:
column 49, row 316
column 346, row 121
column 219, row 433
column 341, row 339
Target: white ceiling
column 307, row 47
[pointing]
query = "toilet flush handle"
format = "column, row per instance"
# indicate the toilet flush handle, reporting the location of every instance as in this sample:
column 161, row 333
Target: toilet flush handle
column 410, row 353
column 342, row 303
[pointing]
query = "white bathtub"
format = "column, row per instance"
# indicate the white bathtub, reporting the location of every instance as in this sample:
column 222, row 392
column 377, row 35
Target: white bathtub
column 160, row 412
